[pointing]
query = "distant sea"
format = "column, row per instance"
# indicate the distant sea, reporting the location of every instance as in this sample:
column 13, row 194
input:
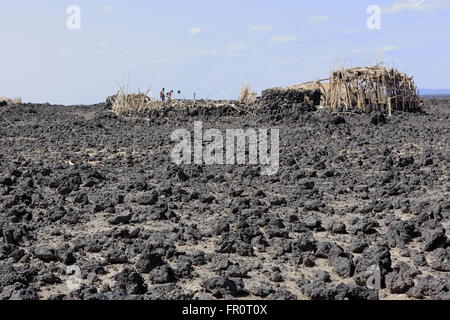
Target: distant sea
column 434, row 92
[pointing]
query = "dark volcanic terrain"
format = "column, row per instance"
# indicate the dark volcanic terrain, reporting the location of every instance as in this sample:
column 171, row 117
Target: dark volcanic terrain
column 83, row 188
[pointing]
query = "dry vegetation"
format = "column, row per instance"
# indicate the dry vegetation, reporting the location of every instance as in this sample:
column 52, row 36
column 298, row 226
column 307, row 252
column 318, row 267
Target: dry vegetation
column 125, row 102
column 247, row 96
column 10, row 102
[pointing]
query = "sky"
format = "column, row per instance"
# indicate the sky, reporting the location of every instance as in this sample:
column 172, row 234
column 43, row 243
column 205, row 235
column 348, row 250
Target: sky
column 210, row 47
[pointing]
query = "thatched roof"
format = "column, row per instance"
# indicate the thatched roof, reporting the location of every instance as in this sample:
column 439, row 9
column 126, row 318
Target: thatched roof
column 377, row 71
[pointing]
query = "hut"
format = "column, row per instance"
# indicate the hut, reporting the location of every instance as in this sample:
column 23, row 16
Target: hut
column 375, row 88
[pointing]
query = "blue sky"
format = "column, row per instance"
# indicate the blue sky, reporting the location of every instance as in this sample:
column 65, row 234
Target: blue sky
column 210, row 47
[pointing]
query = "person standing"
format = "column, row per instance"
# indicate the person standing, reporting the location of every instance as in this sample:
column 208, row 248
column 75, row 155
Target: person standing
column 162, row 94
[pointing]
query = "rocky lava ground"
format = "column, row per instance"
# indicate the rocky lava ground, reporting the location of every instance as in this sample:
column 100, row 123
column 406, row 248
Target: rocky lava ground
column 82, row 187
